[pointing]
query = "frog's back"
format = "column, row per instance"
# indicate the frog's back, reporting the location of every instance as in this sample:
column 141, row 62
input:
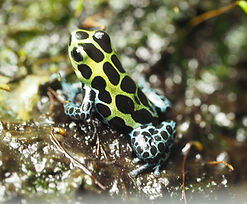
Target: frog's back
column 119, row 101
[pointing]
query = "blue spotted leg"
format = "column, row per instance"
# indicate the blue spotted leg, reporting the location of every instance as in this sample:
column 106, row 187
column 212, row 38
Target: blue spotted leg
column 161, row 103
column 152, row 144
column 81, row 112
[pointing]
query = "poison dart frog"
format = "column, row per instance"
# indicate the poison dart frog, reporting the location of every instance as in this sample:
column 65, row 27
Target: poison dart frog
column 118, row 100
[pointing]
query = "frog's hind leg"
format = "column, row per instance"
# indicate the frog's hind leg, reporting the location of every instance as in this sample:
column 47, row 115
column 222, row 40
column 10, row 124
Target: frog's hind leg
column 152, row 145
column 82, row 111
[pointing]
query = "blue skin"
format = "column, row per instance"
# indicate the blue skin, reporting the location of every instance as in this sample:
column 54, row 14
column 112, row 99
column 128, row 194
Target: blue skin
column 157, row 143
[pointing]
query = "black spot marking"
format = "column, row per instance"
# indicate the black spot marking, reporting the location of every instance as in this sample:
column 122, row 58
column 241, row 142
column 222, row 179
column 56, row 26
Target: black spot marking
column 85, row 70
column 152, row 131
column 155, row 132
column 169, row 129
column 117, row 63
column 80, row 35
column 71, row 110
column 111, row 73
column 105, row 96
column 119, row 124
column 103, row 40
column 98, row 83
column 139, row 150
column 92, row 95
column 124, row 104
column 82, row 115
column 157, row 138
column 144, row 126
column 142, row 98
column 128, row 85
column 147, row 134
column 164, row 135
column 93, row 52
column 78, row 110
column 136, row 133
column 133, row 141
column 145, row 155
column 161, row 147
column 159, row 126
column 103, row 110
column 76, row 55
column 142, row 116
column 86, row 107
column 153, row 150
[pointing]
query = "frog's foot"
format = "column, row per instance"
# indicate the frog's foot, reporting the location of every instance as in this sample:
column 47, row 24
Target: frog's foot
column 142, row 168
column 136, row 160
column 76, row 112
column 157, row 170
column 152, row 144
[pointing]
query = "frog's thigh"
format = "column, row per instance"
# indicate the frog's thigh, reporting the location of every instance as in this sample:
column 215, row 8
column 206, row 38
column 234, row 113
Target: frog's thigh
column 160, row 102
column 82, row 111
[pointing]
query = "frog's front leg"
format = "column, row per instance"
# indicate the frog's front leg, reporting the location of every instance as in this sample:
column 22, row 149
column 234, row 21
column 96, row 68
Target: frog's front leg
column 152, row 144
column 82, row 111
column 161, row 103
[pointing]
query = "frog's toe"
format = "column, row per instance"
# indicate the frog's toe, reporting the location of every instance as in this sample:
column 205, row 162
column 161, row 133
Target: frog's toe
column 157, row 170
column 136, row 160
column 139, row 170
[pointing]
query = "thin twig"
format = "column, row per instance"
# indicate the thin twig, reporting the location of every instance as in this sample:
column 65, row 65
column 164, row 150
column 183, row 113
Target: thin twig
column 199, row 147
column 221, row 162
column 210, row 14
column 183, row 173
column 56, row 96
column 5, row 87
column 51, row 107
column 75, row 162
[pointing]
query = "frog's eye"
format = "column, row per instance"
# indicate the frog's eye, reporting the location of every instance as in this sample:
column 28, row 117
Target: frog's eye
column 103, row 39
column 76, row 55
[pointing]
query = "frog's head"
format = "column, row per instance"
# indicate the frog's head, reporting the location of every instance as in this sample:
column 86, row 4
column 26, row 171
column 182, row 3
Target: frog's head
column 88, row 51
